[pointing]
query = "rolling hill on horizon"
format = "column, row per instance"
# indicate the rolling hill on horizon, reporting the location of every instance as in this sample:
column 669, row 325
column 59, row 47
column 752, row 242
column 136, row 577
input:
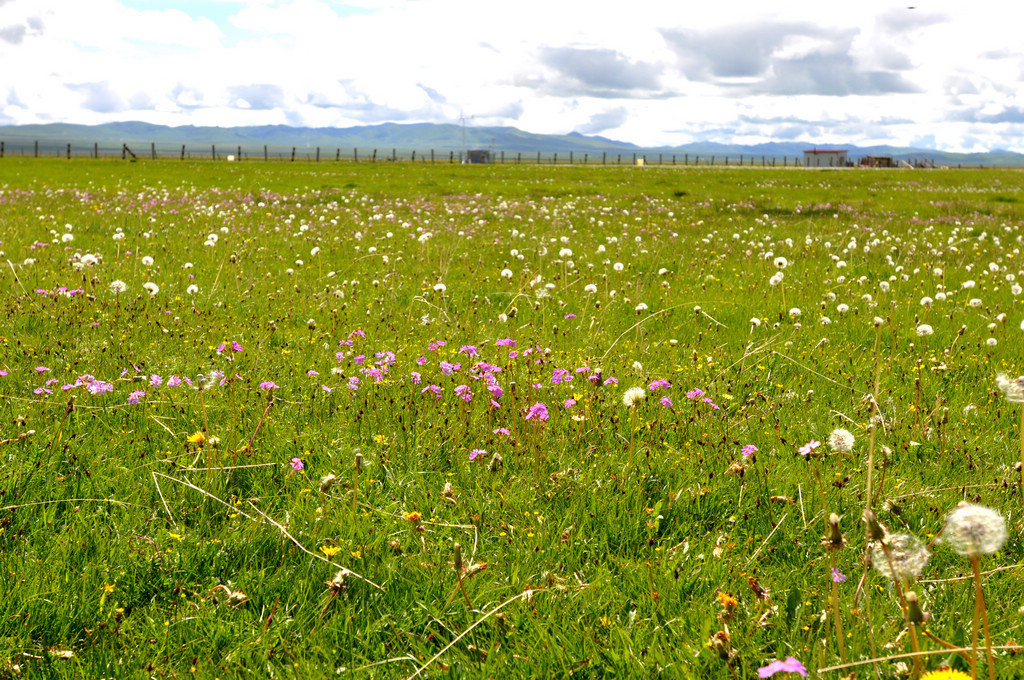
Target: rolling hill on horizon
column 402, row 139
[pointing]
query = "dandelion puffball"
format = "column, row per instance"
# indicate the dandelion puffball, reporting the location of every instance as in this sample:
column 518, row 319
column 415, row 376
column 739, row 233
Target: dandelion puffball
column 151, row 288
column 440, row 288
column 974, row 530
column 118, row 287
column 841, row 440
column 924, row 330
column 147, row 261
column 590, row 288
column 633, row 396
column 192, row 290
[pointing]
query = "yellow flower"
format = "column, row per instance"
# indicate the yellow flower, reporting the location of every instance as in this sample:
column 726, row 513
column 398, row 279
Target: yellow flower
column 330, row 551
column 358, row 554
column 380, row 439
column 196, row 438
column 413, row 516
column 107, row 588
column 948, row 674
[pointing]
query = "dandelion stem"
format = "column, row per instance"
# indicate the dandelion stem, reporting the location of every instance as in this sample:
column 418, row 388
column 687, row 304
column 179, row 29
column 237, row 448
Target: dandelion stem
column 872, row 411
column 1022, row 448
column 979, row 609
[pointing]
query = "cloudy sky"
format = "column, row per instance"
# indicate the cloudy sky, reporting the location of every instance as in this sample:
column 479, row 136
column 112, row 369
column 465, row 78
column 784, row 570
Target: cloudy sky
column 942, row 75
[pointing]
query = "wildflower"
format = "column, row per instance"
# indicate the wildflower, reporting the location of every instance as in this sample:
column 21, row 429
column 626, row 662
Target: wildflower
column 135, row 396
column 974, row 530
column 147, row 261
column 118, row 287
column 840, row 440
column 440, row 288
column 776, row 279
column 151, row 288
column 501, row 430
column 297, row 464
column 269, row 385
column 590, row 288
column 924, row 330
column 476, row 453
column 633, row 396
column 749, row 450
column 196, row 438
column 906, row 558
column 694, row 393
column 413, row 517
column 1012, row 388
column 191, row 290
column 538, row 411
column 838, row 576
column 505, row 342
column 807, row 448
column 659, row 384
column 781, row 262
column 666, row 402
column 790, row 665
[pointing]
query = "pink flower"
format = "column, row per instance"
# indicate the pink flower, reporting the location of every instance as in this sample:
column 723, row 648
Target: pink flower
column 269, row 385
column 135, row 396
column 476, row 453
column 806, row 449
column 501, row 430
column 790, row 665
column 538, row 411
column 155, row 380
column 749, row 450
column 838, row 576
column 666, row 402
column 297, row 464
column 694, row 393
column 505, row 342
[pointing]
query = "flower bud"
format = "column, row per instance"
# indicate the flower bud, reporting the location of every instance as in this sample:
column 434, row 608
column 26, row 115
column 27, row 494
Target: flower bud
column 876, row 532
column 914, row 613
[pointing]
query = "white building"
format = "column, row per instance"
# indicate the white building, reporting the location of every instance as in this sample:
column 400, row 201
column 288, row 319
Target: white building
column 825, row 158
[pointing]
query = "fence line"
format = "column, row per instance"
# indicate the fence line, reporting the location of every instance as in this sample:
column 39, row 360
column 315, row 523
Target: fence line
column 265, row 153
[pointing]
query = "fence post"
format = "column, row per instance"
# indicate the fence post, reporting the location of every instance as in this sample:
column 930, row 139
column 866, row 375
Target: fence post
column 374, row 159
column 431, row 156
column 570, row 158
column 394, row 154
column 69, row 151
column 659, row 159
column 95, row 150
column 604, row 158
column 355, row 154
column 264, row 152
column 503, row 158
column 686, row 159
column 519, row 158
column 152, row 151
column 555, row 160
column 1, row 149
column 538, row 158
column 337, row 154
column 36, row 152
column 124, row 151
column 619, row 161
column 182, row 152
column 451, row 157
column 213, row 151
column 239, row 156
column 673, row 159
column 586, row 158
column 293, row 154
column 318, row 154
column 414, row 155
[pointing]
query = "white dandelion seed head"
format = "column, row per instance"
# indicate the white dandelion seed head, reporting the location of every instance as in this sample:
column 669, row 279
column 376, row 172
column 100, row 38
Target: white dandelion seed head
column 842, row 308
column 590, row 288
column 974, row 530
column 781, row 262
column 906, row 559
column 991, row 342
column 975, row 302
column 618, row 266
column 795, row 311
column 151, row 288
column 147, row 261
column 1012, row 388
column 440, row 288
column 926, row 301
column 506, row 273
column 924, row 330
column 118, row 287
column 755, row 322
column 192, row 290
column 633, row 396
column 841, row 440
column 776, row 279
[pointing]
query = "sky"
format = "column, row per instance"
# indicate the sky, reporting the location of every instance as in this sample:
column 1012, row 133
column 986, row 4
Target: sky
column 941, row 75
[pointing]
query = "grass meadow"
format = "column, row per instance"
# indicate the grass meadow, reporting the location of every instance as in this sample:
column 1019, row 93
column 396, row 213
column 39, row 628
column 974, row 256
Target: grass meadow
column 379, row 420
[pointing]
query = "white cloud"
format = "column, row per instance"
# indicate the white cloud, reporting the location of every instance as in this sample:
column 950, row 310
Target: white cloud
column 650, row 73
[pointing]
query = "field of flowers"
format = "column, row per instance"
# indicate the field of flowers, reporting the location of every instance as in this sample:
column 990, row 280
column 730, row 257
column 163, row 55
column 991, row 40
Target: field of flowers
column 403, row 420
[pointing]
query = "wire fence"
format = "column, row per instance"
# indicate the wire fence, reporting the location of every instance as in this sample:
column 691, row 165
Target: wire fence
column 318, row 154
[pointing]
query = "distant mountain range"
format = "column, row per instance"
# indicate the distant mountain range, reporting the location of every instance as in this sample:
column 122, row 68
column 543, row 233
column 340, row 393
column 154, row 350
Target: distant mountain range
column 403, row 139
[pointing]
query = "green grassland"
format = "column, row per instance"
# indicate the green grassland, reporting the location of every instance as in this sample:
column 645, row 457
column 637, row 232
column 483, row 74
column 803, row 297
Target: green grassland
column 153, row 529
